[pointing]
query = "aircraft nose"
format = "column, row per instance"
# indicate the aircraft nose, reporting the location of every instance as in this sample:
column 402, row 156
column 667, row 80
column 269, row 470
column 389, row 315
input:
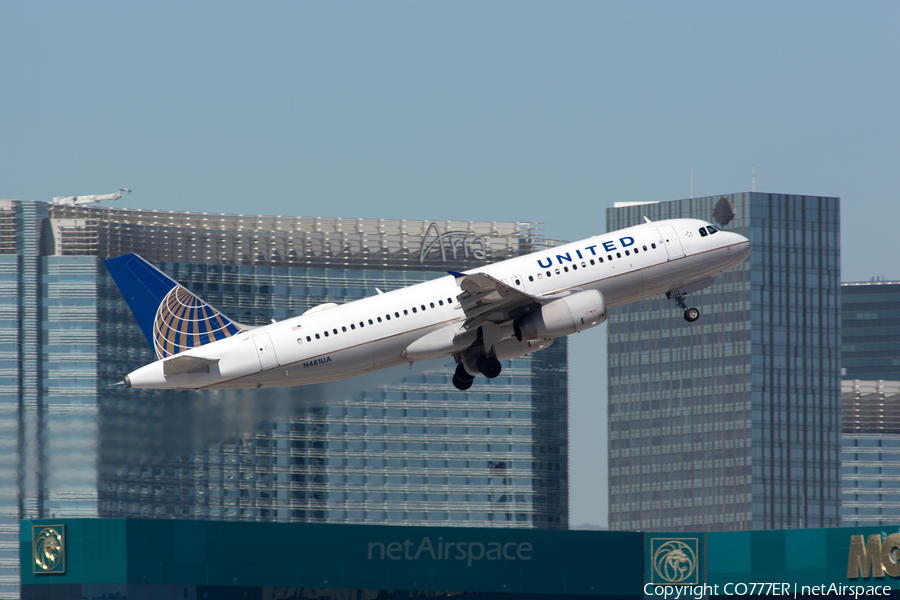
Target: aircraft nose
column 741, row 245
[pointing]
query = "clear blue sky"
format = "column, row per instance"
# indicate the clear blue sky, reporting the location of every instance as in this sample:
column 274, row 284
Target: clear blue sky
column 491, row 111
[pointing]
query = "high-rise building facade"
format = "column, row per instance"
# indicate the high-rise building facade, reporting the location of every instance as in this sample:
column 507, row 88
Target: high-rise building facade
column 401, row 446
column 870, row 412
column 733, row 422
column 870, row 330
column 870, row 402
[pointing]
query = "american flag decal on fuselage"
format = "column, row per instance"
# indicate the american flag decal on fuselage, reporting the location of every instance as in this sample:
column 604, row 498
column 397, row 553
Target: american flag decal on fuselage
column 184, row 321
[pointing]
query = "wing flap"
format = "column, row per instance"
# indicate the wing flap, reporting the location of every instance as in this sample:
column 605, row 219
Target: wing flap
column 486, row 299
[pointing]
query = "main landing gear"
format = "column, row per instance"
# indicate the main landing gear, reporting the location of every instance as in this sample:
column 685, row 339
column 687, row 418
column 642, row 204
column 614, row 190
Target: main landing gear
column 690, row 314
column 461, row 379
column 488, row 366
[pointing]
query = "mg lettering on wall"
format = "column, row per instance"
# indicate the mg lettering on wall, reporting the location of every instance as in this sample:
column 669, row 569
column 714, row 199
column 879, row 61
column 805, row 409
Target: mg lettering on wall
column 877, row 557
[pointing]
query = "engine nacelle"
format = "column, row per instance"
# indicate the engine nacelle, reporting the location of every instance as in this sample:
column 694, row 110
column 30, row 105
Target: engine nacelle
column 571, row 314
column 513, row 348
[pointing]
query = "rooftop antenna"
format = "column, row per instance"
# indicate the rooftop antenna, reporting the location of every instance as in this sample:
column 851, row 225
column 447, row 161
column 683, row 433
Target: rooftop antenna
column 73, row 200
column 753, row 180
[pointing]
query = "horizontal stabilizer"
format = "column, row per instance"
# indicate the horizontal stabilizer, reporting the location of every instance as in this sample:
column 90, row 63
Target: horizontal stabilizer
column 187, row 364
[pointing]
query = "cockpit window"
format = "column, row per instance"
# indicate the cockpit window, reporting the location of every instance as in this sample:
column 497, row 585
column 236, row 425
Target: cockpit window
column 712, row 229
column 703, row 232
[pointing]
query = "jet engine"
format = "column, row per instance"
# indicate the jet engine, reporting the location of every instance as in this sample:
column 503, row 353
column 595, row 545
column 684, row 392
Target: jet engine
column 571, row 314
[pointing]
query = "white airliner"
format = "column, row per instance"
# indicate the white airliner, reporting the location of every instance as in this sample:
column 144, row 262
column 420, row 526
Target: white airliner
column 479, row 317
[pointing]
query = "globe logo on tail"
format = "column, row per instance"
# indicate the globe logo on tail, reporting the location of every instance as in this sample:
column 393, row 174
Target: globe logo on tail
column 184, row 321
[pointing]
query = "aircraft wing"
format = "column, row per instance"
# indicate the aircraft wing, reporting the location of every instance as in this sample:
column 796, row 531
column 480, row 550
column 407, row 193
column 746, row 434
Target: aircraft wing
column 486, row 299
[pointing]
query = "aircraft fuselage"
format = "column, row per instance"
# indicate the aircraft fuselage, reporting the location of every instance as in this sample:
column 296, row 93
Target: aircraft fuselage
column 376, row 332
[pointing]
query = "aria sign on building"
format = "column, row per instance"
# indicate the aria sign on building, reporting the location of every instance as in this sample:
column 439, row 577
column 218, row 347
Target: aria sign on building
column 459, row 244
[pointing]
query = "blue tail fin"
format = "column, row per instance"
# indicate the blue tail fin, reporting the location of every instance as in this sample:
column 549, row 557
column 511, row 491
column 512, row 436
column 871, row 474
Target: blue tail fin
column 172, row 318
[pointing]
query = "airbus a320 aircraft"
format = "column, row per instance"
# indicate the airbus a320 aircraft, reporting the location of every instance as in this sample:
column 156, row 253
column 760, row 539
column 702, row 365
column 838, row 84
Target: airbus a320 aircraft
column 479, row 317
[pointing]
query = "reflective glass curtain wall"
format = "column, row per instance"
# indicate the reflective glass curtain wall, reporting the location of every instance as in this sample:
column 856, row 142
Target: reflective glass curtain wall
column 870, row 330
column 401, row 446
column 871, row 452
column 733, row 422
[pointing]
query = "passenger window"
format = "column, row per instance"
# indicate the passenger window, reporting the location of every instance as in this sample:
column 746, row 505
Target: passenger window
column 618, row 255
column 299, row 340
column 326, row 334
column 405, row 312
column 600, row 259
column 379, row 319
column 335, row 331
column 531, row 278
column 344, row 329
column 396, row 314
column 540, row 276
column 703, row 232
column 361, row 324
column 635, row 250
column 414, row 309
column 317, row 337
column 548, row 273
column 574, row 267
column 352, row 326
column 556, row 271
column 423, row 307
column 441, row 302
column 609, row 257
column 308, row 339
column 432, row 305
column 627, row 253
column 388, row 317
column 518, row 282
column 566, row 269
column 449, row 301
column 653, row 246
column 645, row 248
column 370, row 321
column 584, row 266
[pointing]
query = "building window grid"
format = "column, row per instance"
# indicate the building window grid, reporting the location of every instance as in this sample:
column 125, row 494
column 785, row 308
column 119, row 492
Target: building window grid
column 622, row 514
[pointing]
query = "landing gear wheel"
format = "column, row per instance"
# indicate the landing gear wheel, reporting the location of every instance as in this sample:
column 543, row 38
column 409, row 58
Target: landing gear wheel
column 690, row 314
column 491, row 367
column 462, row 385
column 461, row 379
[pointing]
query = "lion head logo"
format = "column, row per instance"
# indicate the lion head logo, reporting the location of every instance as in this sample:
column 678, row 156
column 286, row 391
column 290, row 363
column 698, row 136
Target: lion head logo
column 674, row 561
column 48, row 549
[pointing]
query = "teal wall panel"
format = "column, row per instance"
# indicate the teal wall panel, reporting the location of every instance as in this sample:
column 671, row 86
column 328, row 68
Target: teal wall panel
column 179, row 556
column 285, row 555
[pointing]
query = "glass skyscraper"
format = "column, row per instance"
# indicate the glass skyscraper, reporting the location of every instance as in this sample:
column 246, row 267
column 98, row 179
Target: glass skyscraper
column 870, row 367
column 401, row 446
column 870, row 330
column 871, row 452
column 733, row 422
